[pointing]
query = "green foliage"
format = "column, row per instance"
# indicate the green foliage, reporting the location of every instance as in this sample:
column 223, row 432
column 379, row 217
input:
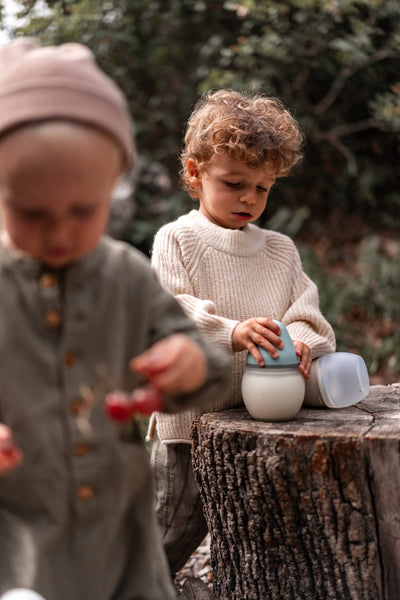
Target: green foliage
column 146, row 222
column 386, row 107
column 334, row 63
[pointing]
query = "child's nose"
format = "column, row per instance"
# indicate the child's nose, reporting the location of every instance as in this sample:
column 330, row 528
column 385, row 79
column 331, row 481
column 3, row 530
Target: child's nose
column 248, row 196
column 58, row 230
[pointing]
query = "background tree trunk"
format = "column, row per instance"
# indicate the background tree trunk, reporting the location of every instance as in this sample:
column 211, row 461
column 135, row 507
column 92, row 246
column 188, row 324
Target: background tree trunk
column 307, row 509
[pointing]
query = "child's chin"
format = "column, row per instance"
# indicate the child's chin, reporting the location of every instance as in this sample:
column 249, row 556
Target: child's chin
column 58, row 262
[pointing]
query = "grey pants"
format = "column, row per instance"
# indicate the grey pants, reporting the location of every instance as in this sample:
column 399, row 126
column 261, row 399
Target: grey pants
column 177, row 502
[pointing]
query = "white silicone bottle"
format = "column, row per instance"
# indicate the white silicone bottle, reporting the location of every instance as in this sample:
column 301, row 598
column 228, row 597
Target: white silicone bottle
column 274, row 392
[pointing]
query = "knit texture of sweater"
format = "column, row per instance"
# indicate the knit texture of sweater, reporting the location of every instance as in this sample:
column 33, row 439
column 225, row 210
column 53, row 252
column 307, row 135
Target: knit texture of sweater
column 224, row 276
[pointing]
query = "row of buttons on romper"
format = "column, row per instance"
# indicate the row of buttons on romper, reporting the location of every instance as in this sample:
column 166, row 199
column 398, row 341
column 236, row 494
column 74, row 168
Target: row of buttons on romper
column 52, row 319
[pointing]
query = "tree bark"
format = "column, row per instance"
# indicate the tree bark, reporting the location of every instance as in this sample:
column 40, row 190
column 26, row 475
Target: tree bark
column 307, row 509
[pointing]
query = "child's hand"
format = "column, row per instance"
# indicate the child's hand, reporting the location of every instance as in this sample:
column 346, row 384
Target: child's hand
column 258, row 331
column 303, row 351
column 175, row 364
column 10, row 454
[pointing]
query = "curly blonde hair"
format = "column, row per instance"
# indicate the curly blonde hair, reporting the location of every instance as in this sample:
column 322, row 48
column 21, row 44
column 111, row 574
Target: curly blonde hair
column 254, row 129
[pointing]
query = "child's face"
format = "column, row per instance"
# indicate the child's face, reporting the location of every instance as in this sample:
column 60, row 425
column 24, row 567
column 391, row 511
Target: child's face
column 231, row 193
column 56, row 181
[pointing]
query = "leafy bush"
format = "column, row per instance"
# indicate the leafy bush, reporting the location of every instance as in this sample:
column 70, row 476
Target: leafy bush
column 333, row 63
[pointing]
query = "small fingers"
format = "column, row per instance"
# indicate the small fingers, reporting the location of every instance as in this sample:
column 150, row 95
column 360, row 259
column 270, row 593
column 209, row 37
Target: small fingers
column 269, row 324
column 304, row 370
column 257, row 342
column 254, row 351
column 303, row 351
column 268, row 340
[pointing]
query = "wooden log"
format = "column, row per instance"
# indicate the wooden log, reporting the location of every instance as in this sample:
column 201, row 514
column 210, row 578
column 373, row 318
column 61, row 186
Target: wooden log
column 307, row 509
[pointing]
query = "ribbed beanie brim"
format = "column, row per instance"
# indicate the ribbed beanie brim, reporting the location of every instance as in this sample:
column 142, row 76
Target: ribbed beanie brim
column 60, row 82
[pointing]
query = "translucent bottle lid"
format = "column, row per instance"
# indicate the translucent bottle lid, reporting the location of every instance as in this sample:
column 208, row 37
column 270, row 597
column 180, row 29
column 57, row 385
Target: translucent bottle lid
column 342, row 378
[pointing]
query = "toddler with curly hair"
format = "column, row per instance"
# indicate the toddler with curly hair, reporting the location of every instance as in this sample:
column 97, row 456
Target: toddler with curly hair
column 231, row 276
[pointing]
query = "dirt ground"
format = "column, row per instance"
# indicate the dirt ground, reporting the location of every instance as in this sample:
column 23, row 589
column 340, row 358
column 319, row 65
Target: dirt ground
column 197, row 566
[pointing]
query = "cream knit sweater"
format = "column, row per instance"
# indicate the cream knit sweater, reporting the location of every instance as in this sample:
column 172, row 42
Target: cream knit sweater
column 224, row 276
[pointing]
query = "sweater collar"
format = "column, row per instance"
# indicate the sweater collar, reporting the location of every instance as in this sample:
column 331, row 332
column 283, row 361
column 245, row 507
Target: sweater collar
column 239, row 242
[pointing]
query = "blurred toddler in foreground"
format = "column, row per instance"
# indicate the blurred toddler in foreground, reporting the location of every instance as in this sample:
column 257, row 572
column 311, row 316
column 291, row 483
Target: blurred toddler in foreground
column 80, row 314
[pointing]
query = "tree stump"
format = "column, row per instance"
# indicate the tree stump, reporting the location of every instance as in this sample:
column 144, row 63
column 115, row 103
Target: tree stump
column 306, row 509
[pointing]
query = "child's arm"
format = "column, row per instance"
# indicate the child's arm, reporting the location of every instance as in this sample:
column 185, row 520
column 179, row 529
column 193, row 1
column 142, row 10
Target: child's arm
column 172, row 366
column 311, row 334
column 173, row 275
column 10, row 454
column 304, row 320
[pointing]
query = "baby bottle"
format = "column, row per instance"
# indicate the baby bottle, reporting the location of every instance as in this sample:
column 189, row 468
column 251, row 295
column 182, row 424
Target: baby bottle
column 274, row 392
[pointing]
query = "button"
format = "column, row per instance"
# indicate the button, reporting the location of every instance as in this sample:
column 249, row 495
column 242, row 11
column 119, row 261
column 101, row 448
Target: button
column 76, row 406
column 52, row 319
column 69, row 359
column 81, row 449
column 84, row 493
column 48, row 280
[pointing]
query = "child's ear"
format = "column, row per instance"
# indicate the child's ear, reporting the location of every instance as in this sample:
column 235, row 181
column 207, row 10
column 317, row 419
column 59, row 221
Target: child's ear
column 193, row 173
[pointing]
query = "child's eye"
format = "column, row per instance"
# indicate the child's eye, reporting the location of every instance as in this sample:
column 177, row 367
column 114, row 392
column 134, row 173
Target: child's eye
column 232, row 184
column 30, row 215
column 83, row 212
column 262, row 190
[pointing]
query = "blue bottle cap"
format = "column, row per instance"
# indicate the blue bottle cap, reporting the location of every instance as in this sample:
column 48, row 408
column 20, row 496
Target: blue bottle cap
column 287, row 356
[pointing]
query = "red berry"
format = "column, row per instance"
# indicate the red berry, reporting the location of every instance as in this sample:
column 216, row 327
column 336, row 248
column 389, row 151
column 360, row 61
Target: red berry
column 147, row 399
column 143, row 400
column 118, row 406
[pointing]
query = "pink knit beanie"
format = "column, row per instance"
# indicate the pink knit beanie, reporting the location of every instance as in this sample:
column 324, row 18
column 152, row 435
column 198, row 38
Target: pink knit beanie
column 60, row 82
